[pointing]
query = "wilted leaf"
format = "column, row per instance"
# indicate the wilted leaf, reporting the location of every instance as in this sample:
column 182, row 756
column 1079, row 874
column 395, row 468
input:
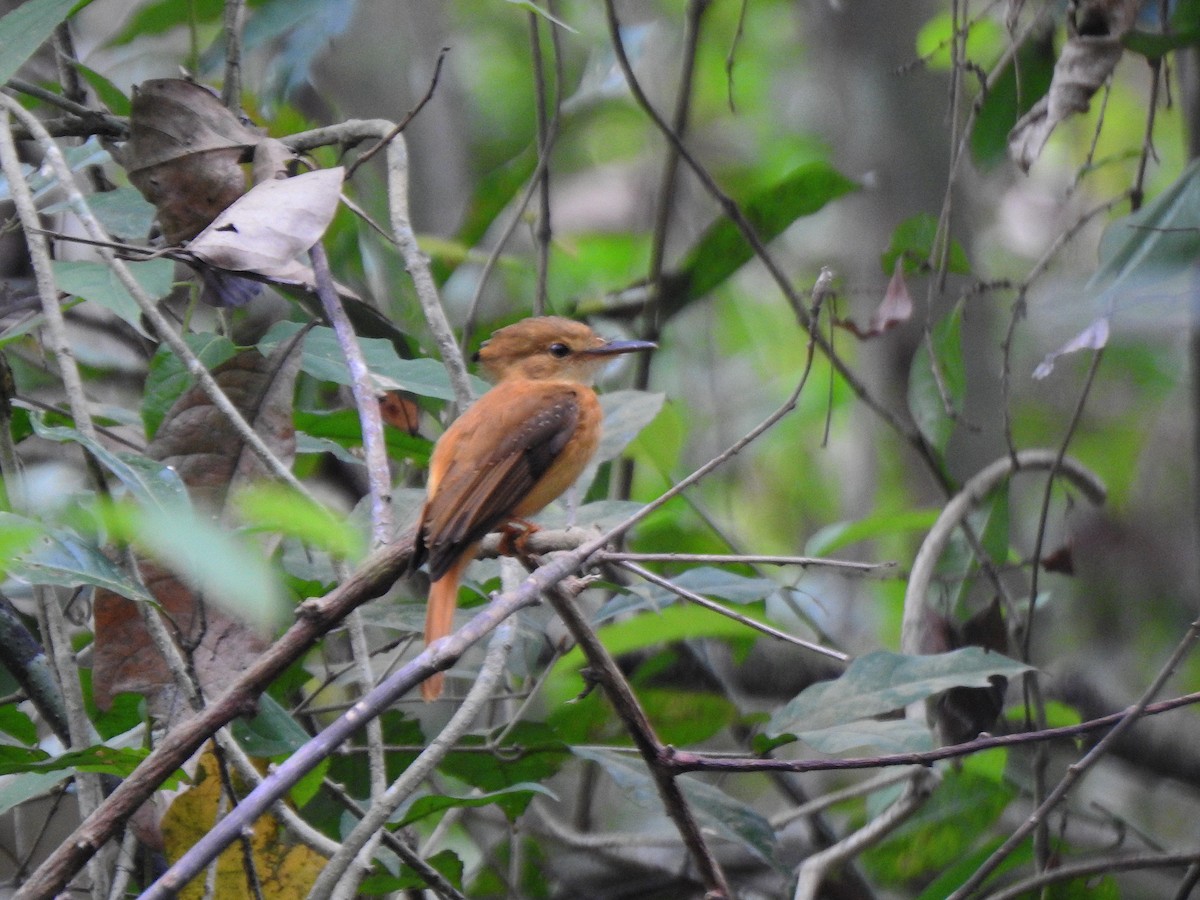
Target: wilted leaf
column 882, row 682
column 895, row 308
column 1088, row 58
column 184, row 154
column 284, row 868
column 270, row 225
column 200, row 444
column 400, row 411
column 1094, row 337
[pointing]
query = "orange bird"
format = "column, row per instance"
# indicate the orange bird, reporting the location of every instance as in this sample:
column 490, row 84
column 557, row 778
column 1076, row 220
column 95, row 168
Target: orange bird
column 517, row 448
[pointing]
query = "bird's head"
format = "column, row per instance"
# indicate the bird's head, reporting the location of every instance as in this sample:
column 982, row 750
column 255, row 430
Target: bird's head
column 550, row 348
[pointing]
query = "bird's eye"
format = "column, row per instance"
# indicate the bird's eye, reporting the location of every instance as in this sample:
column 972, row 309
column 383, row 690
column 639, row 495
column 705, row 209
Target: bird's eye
column 558, row 351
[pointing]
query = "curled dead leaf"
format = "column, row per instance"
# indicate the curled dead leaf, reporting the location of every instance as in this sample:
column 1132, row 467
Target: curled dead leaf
column 1093, row 337
column 895, row 308
column 1092, row 51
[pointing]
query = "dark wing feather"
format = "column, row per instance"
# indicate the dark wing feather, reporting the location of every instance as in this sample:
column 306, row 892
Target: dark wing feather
column 472, row 499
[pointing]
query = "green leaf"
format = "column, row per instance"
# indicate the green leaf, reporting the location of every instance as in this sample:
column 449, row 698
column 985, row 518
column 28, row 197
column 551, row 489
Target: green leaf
column 950, row 824
column 278, row 508
column 168, row 378
column 271, row 732
column 713, row 582
column 913, row 241
column 684, row 718
column 29, row 26
column 1024, row 81
column 106, row 760
column 343, row 427
column 935, row 41
column 715, row 809
column 874, row 735
column 112, row 97
column 379, row 883
column 152, row 483
column 15, row 791
column 431, row 804
column 834, row 537
column 124, row 212
column 17, row 535
column 60, row 557
column 1157, row 244
column 322, row 359
column 722, row 250
column 532, row 755
column 651, row 629
column 15, row 723
column 626, row 413
column 230, row 571
column 882, row 682
column 161, row 16
column 96, row 281
column 929, row 392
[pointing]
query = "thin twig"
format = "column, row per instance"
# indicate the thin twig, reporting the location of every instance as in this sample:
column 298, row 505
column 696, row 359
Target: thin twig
column 686, row 761
column 403, row 123
column 235, row 22
column 366, row 400
column 749, row 559
column 699, row 600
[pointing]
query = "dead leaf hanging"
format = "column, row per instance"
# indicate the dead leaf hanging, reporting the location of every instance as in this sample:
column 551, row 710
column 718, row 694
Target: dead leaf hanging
column 184, row 154
column 1092, row 51
column 264, row 232
column 895, row 308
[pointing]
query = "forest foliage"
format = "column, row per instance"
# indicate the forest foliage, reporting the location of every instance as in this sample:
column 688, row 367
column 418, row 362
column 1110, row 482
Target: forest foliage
column 880, row 583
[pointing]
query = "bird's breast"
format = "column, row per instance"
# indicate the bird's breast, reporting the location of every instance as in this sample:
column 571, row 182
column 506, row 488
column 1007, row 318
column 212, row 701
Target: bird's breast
column 576, row 453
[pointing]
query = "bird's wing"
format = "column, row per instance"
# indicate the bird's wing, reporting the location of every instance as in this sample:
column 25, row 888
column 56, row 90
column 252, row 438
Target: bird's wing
column 490, row 460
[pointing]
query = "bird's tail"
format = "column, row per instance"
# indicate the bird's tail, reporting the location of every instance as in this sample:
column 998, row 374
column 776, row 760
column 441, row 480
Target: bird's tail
column 439, row 617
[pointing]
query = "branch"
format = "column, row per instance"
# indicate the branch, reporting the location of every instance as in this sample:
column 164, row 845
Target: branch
column 605, row 670
column 912, row 630
column 379, row 478
column 383, row 808
column 686, row 761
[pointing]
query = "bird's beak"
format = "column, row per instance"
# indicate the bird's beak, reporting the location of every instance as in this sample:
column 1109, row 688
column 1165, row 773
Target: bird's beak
column 612, row 348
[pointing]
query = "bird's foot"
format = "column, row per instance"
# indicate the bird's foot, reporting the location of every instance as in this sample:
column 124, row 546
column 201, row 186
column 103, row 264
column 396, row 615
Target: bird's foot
column 514, row 541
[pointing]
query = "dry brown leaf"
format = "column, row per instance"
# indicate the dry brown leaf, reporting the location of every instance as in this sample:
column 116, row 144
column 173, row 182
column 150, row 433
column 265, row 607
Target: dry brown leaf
column 267, row 228
column 895, row 308
column 198, row 441
column 399, row 410
column 1092, row 51
column 184, row 154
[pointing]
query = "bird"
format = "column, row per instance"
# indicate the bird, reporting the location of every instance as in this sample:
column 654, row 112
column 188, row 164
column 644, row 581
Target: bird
column 515, row 450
